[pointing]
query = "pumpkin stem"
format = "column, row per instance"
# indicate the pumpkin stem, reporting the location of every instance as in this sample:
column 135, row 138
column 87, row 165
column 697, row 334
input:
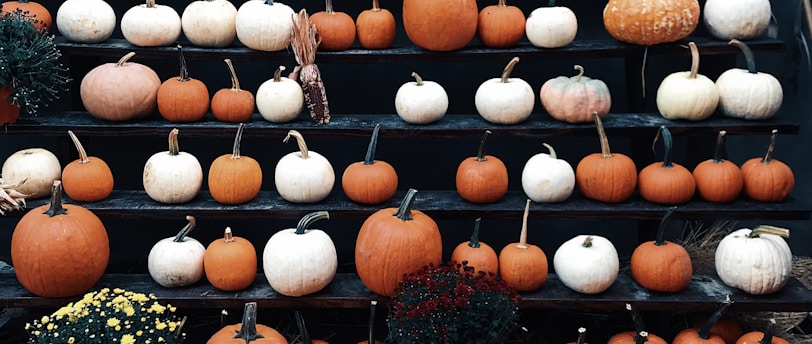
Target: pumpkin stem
column 768, row 333
column 580, row 70
column 371, row 324
column 184, row 70
column 551, row 3
column 748, row 55
column 376, row 7
column 269, row 2
column 277, row 75
column 300, row 322
column 719, row 152
column 404, row 211
column 190, row 225
column 523, row 236
column 767, row 229
column 235, row 83
column 235, row 151
column 606, row 152
column 308, row 219
column 248, row 329
column 587, row 241
column 124, row 59
column 369, row 159
column 502, row 3
column 639, row 325
column 55, row 208
column 328, row 5
column 668, row 143
column 641, row 337
column 660, row 241
column 704, row 331
column 552, row 151
column 417, row 78
column 300, row 141
column 150, row 3
column 228, row 236
column 480, row 155
column 509, row 69
column 82, row 153
column 768, row 156
column 474, row 242
column 694, row 60
column 174, row 147
column 581, row 336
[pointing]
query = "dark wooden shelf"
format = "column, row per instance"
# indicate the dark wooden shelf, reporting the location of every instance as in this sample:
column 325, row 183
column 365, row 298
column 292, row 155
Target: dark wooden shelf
column 452, row 125
column 347, row 291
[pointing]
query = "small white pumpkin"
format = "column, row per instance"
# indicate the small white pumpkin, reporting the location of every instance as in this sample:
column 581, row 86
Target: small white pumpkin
column 547, row 179
column 748, row 93
column 304, row 176
column 151, row 25
column 551, row 27
column 33, row 170
column 177, row 261
column 757, row 261
column 421, row 101
column 210, row 23
column 505, row 100
column 172, row 176
column 300, row 261
column 687, row 95
column 86, row 21
column 264, row 25
column 588, row 264
column 280, row 99
column 739, row 19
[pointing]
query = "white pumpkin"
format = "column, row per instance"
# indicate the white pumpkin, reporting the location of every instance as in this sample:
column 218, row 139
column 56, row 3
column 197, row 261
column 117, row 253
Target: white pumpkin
column 757, row 261
column 280, row 99
column 151, row 25
column 210, row 23
column 300, row 261
column 33, row 170
column 177, row 261
column 551, row 27
column 547, row 179
column 421, row 101
column 304, row 176
column 588, row 264
column 86, row 21
column 739, row 19
column 505, row 100
column 687, row 95
column 748, row 93
column 264, row 25
column 172, row 176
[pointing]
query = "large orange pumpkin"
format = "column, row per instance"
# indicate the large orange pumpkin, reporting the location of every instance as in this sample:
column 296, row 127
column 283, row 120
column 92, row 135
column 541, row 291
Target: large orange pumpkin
column 248, row 331
column 370, row 181
column 393, row 242
column 38, row 14
column 235, row 178
column 500, row 25
column 336, row 29
column 232, row 104
column 482, row 178
column 759, row 337
column 606, row 176
column 476, row 255
column 230, row 263
column 666, row 182
column 767, row 179
column 523, row 266
column 375, row 27
column 718, row 179
column 59, row 250
column 649, row 22
column 87, row 179
column 183, row 98
column 440, row 25
column 661, row 265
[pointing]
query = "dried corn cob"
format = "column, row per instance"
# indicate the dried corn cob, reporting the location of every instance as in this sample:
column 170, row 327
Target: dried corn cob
column 305, row 42
column 10, row 198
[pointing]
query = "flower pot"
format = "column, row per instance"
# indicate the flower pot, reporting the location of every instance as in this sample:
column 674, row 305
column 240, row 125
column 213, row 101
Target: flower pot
column 8, row 111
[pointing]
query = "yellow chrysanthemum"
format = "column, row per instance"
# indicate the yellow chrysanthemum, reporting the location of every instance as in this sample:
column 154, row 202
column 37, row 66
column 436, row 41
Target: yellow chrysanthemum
column 113, row 322
column 44, row 319
column 139, row 333
column 159, row 325
column 157, row 308
column 118, row 290
column 71, row 340
column 127, row 339
column 129, row 311
column 138, row 297
column 50, row 327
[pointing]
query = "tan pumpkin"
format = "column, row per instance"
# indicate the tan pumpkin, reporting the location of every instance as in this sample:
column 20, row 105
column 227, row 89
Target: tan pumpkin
column 230, row 263
column 235, row 178
column 649, row 22
column 33, row 170
column 523, row 266
column 120, row 91
column 500, row 25
column 440, row 25
column 183, row 98
column 375, row 27
column 575, row 99
column 335, row 29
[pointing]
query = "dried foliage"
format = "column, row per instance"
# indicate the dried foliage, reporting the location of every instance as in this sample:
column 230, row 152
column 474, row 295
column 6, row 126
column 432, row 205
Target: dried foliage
column 304, row 42
column 10, row 198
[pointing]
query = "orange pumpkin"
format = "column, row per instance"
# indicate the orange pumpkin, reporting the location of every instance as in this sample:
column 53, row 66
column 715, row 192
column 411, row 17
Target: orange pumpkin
column 500, row 25
column 666, row 182
column 230, row 263
column 476, row 255
column 370, row 181
column 336, row 29
column 649, row 22
column 39, row 15
column 393, row 242
column 8, row 112
column 718, row 179
column 182, row 98
column 87, row 179
column 767, row 179
column 440, row 25
column 59, row 250
column 575, row 99
column 482, row 178
column 606, row 176
column 235, row 178
column 662, row 265
column 248, row 331
column 375, row 28
column 759, row 337
column 523, row 266
column 726, row 327
column 703, row 334
column 232, row 104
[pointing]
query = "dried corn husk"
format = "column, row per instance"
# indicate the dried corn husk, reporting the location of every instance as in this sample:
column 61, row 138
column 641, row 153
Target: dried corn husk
column 304, row 42
column 10, row 198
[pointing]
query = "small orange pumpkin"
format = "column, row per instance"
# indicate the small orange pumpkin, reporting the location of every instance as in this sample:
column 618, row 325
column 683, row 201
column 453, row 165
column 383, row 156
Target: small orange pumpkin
column 375, row 28
column 726, row 327
column 482, row 178
column 661, row 265
column 649, row 22
column 767, row 179
column 440, row 25
column 232, row 104
column 182, row 98
column 39, row 15
column 248, row 331
column 336, row 29
column 666, row 182
column 370, row 181
column 717, row 179
column 87, row 179
column 575, row 99
column 523, row 266
column 759, row 337
column 9, row 112
column 500, row 25
column 606, row 176
column 235, row 178
column 703, row 334
column 230, row 263
column 476, row 255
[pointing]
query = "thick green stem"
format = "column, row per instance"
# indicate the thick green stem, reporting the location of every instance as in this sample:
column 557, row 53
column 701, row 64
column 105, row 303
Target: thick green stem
column 235, row 151
column 174, row 147
column 369, row 159
column 509, row 69
column 551, row 3
column 660, row 240
column 248, row 328
column 639, row 325
column 480, row 155
column 190, row 225
column 404, row 211
column 719, row 152
column 308, row 219
column 269, row 2
column 184, row 70
column 668, row 144
column 474, row 242
column 748, row 55
column 704, row 331
column 768, row 156
column 55, row 208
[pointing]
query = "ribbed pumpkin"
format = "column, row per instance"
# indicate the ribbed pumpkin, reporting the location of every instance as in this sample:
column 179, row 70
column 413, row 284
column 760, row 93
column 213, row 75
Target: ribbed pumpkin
column 500, row 25
column 230, row 263
column 335, row 29
column 40, row 15
column 393, row 242
column 762, row 337
column 476, row 255
column 87, row 179
column 248, row 331
column 757, row 261
column 650, row 22
column 748, row 93
column 661, row 265
column 575, row 99
column 375, row 27
column 717, row 179
column 59, row 250
column 177, row 261
column 370, row 181
column 235, row 178
column 440, row 25
column 687, row 95
column 606, row 176
column 183, row 98
column 767, row 179
column 482, row 178
column 523, row 266
column 120, row 91
column 666, row 182
column 704, row 333
column 232, row 104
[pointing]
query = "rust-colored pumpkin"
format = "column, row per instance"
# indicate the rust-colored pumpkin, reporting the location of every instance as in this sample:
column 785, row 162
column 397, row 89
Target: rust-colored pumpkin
column 767, row 179
column 704, row 333
column 718, row 179
column 375, row 27
column 500, row 25
column 476, row 255
column 440, row 25
column 661, row 265
column 87, row 179
column 393, row 242
column 575, row 99
column 606, row 176
column 523, row 266
column 59, row 250
column 9, row 113
column 248, row 331
column 230, row 263
column 370, row 181
column 183, row 98
column 666, row 182
column 232, row 104
column 726, row 327
column 650, row 22
column 235, row 178
column 765, row 337
column 39, row 15
column 482, row 178
column 336, row 29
